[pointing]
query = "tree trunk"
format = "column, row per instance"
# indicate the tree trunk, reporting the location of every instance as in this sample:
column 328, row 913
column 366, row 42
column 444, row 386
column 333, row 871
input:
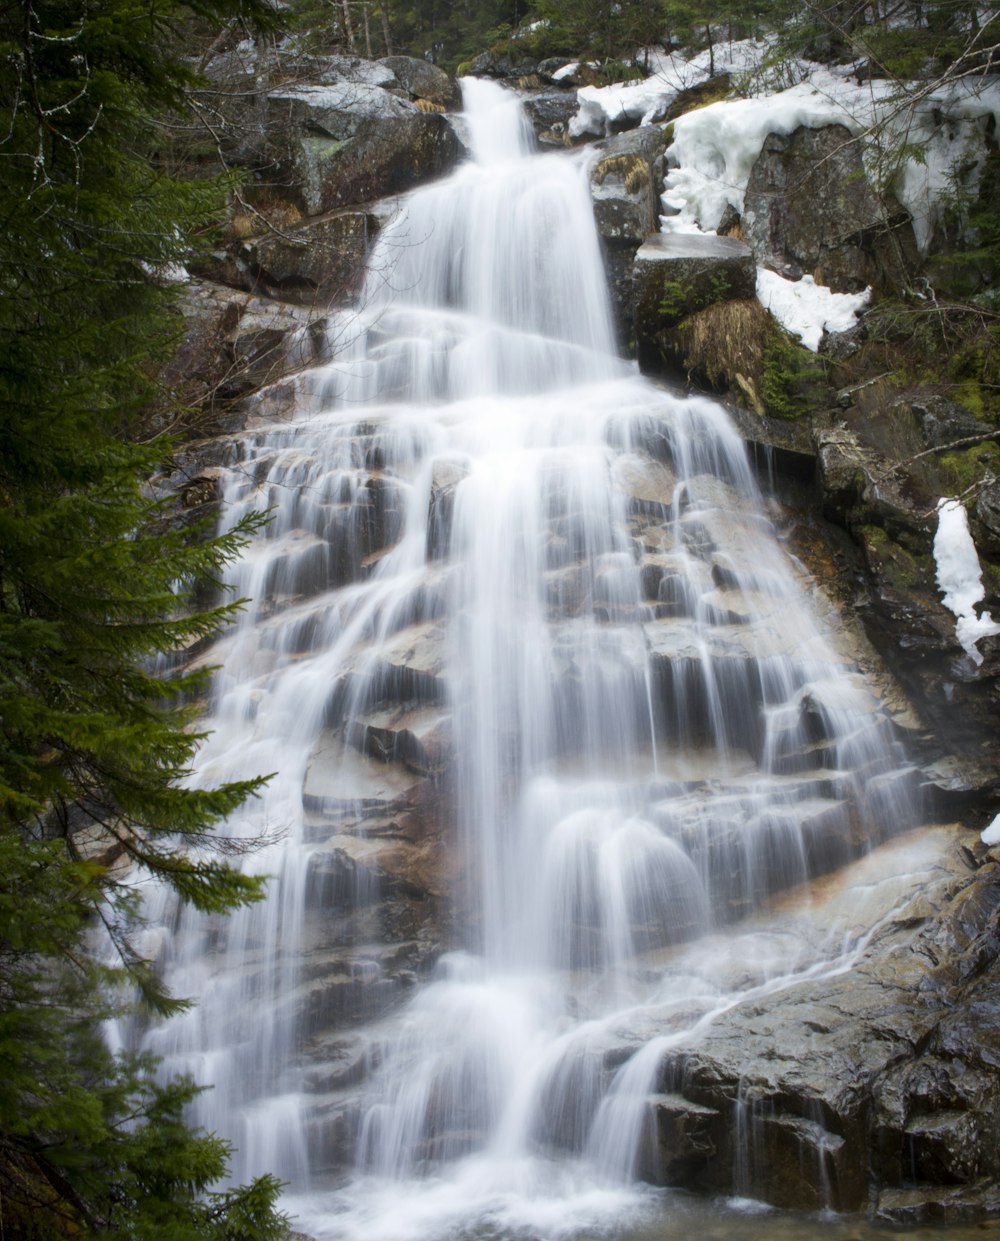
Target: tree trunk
column 383, row 9
column 368, row 30
column 348, row 28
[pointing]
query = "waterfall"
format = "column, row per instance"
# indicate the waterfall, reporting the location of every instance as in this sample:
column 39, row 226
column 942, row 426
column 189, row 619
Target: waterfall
column 551, row 714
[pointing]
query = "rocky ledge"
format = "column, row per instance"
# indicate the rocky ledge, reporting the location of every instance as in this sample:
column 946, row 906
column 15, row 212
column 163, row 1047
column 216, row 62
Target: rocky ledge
column 873, row 1088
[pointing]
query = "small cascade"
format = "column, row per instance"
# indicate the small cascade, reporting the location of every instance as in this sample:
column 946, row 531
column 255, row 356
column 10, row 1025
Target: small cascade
column 550, row 711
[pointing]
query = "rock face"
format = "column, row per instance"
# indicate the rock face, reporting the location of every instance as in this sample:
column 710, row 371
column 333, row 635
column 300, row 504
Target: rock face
column 347, row 132
column 881, row 469
column 318, row 262
column 236, row 344
column 810, row 208
column 626, row 181
column 422, row 80
column 676, row 274
column 348, row 143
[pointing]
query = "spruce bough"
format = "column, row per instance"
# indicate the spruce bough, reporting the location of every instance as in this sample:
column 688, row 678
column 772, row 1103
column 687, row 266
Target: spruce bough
column 97, row 593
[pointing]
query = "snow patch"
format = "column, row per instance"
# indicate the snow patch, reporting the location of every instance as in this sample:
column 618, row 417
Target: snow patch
column 808, row 309
column 960, row 577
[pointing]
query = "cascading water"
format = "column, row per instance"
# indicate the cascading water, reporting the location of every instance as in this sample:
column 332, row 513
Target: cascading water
column 512, row 590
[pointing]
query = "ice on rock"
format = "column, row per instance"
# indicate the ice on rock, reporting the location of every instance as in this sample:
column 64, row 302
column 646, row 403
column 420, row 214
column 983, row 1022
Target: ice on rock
column 960, row 578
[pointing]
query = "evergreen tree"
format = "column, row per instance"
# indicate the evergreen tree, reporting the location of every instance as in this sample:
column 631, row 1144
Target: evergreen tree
column 96, row 591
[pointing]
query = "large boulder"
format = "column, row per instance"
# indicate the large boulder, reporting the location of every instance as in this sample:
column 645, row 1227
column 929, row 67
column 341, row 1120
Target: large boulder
column 550, row 114
column 810, row 208
column 507, row 63
column 626, row 180
column 349, row 143
column 318, row 262
column 423, row 80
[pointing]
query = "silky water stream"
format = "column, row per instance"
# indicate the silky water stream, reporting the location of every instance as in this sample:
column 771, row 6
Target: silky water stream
column 552, row 715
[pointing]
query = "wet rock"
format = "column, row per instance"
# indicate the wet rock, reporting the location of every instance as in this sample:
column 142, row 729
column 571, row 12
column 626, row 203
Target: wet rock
column 347, row 997
column 445, row 480
column 678, row 1140
column 877, row 1084
column 340, row 781
column 413, row 665
column 810, row 207
column 343, row 874
column 419, row 738
column 649, row 486
column 936, row 1205
column 351, row 872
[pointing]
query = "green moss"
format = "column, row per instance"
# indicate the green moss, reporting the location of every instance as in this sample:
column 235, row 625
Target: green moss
column 715, row 90
column 898, row 567
column 793, row 379
column 683, row 298
column 964, row 469
column 674, row 299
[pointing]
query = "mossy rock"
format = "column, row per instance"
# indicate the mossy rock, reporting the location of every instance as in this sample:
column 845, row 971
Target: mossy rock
column 677, row 274
column 714, row 90
column 898, row 568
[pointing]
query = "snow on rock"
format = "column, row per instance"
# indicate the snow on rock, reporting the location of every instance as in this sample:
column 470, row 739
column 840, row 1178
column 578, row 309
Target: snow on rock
column 991, row 834
column 959, row 577
column 808, row 309
column 950, row 128
column 715, row 147
column 604, row 107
